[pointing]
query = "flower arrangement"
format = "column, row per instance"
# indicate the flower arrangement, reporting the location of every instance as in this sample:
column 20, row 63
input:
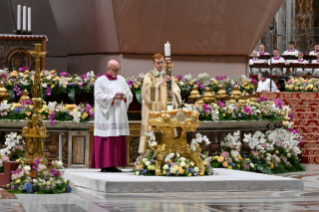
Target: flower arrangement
column 203, row 80
column 3, row 158
column 173, row 165
column 51, row 111
column 302, row 85
column 12, row 141
column 272, row 152
column 260, row 110
column 12, row 149
column 48, row 180
column 135, row 84
column 52, row 83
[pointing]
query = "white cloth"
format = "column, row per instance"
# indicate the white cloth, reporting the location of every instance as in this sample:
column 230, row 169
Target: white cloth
column 265, row 53
column 252, row 61
column 277, row 71
column 313, row 53
column 294, row 52
column 299, row 71
column 316, row 70
column 111, row 120
column 266, row 86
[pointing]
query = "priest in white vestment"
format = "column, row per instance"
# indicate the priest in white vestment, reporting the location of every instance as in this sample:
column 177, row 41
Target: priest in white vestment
column 291, row 52
column 301, row 60
column 112, row 99
column 154, row 94
column 275, row 60
column 264, row 84
column 316, row 70
column 316, row 49
column 262, row 50
column 255, row 60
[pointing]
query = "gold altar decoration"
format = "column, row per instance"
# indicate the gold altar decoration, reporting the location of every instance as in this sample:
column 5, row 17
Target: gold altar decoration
column 165, row 123
column 209, row 96
column 25, row 96
column 35, row 133
column 199, row 102
column 243, row 99
column 253, row 97
column 221, row 93
column 194, row 95
column 3, row 92
column 235, row 94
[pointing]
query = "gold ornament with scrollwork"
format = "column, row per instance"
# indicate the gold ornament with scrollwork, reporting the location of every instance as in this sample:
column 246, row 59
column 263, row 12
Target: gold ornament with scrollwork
column 3, row 92
column 167, row 122
column 35, row 133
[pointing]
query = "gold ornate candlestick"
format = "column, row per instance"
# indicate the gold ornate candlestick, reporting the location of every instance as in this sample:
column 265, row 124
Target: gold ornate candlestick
column 34, row 134
column 168, row 71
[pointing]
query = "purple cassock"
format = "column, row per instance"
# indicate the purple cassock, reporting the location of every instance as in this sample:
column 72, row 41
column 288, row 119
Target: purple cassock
column 109, row 151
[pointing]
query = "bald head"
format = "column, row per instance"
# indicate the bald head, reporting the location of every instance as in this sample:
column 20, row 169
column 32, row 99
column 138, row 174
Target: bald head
column 113, row 68
column 254, row 54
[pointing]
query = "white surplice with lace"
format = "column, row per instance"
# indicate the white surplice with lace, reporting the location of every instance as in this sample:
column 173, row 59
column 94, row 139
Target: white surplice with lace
column 111, row 120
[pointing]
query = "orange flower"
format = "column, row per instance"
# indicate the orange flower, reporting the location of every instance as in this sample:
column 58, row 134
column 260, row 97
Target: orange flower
column 43, row 116
column 57, row 78
column 41, row 75
column 284, row 122
column 139, row 83
column 245, row 83
column 271, row 166
column 25, row 76
column 135, row 86
column 225, row 164
column 69, row 79
column 181, row 171
column 52, row 71
column 66, row 83
column 296, row 88
column 176, row 80
column 291, row 123
column 26, row 71
column 28, row 113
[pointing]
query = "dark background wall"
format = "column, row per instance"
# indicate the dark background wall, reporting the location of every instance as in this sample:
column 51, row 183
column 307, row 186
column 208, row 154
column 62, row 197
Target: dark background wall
column 210, row 36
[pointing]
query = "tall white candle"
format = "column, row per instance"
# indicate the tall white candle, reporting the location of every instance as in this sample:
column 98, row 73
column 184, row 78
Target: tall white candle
column 167, row 49
column 19, row 17
column 24, row 22
column 29, row 19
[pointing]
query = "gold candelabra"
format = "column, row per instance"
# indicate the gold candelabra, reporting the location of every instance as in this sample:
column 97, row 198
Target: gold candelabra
column 34, row 134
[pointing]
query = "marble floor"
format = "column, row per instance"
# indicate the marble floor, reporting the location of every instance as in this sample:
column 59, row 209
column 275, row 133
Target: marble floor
column 83, row 200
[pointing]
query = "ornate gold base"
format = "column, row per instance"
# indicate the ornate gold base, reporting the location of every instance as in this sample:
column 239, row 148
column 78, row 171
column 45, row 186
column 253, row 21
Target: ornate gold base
column 173, row 130
column 34, row 149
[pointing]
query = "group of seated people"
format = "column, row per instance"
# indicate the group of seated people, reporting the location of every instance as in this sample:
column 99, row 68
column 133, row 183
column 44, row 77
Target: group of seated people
column 278, row 59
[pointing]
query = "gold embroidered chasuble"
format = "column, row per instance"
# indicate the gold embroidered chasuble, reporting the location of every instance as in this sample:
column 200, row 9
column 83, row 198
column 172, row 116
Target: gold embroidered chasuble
column 155, row 99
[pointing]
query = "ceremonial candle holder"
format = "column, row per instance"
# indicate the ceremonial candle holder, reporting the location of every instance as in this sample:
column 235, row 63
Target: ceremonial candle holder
column 35, row 133
column 168, row 71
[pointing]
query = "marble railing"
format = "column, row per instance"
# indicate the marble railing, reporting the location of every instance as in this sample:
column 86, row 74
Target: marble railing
column 72, row 142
